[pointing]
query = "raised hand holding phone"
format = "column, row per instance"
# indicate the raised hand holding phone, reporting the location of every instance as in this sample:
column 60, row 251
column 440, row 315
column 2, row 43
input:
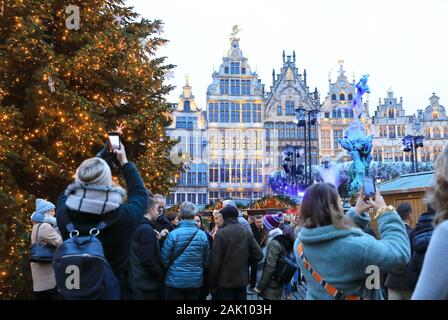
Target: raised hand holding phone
column 120, row 153
column 378, row 202
column 361, row 204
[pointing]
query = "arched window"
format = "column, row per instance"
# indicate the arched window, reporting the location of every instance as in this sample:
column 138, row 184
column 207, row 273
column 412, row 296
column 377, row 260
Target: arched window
column 342, row 97
column 338, row 114
column 350, row 97
column 187, row 105
column 333, row 97
column 333, row 114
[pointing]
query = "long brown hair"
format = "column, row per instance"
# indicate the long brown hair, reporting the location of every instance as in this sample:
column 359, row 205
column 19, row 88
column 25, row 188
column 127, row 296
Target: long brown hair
column 438, row 198
column 321, row 206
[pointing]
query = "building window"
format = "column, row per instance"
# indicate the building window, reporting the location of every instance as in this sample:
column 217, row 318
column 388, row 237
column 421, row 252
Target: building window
column 258, row 176
column 401, row 130
column 350, row 97
column 290, row 131
column 436, row 133
column 213, row 172
column 325, row 134
column 191, row 197
column 435, row 115
column 192, row 122
column 202, row 198
column 213, row 112
column 280, row 126
column 224, row 112
column 428, row 133
column 247, row 177
column 351, row 113
column 235, row 87
column 392, row 132
column 279, row 110
column 181, row 122
column 224, row 86
column 391, row 113
column 170, row 199
column 269, row 126
column 243, row 70
column 333, row 97
column 246, row 112
column 235, row 113
column 245, row 87
column 301, row 133
column 180, row 197
column 213, row 196
column 289, row 107
column 187, row 105
column 445, row 132
column 256, row 113
column 377, row 156
column 342, row 97
column 337, row 135
column 234, row 68
column 226, row 70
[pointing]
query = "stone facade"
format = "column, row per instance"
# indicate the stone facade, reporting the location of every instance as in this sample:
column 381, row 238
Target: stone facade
column 236, row 136
column 288, row 92
column 189, row 129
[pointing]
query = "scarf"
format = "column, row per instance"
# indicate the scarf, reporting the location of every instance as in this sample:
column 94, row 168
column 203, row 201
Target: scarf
column 273, row 233
column 42, row 218
column 94, row 199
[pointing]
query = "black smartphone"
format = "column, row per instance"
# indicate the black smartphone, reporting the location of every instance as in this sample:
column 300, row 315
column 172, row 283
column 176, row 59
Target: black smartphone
column 114, row 140
column 369, row 187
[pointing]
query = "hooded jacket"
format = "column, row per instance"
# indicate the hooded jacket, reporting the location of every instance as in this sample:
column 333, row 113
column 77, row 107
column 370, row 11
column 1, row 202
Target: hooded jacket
column 345, row 257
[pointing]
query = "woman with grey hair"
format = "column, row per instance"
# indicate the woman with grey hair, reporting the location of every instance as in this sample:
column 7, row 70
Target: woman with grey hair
column 186, row 252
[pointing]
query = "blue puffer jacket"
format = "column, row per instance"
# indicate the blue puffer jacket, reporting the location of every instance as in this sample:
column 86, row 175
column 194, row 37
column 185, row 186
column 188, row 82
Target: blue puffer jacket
column 187, row 271
column 342, row 256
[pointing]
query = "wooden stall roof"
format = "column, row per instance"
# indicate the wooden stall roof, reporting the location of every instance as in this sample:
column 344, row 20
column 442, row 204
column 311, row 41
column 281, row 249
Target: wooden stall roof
column 413, row 182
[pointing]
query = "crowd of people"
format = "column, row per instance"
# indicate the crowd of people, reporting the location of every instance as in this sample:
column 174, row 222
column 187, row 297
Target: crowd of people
column 155, row 255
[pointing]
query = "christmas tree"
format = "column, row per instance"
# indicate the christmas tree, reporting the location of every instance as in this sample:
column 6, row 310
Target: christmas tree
column 71, row 71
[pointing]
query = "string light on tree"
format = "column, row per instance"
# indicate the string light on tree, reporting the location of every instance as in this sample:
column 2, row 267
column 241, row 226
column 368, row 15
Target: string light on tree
column 50, row 134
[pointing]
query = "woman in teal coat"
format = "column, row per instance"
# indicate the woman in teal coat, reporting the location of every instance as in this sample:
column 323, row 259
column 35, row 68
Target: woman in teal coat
column 337, row 259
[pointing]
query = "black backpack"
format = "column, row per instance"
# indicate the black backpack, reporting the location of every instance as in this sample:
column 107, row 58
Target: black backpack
column 286, row 266
column 81, row 269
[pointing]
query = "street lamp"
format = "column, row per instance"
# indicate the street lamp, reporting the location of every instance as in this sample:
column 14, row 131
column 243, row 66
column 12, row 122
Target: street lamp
column 291, row 166
column 306, row 119
column 411, row 144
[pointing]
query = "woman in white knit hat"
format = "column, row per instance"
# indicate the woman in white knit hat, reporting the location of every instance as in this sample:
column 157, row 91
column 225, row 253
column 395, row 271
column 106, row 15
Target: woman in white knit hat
column 93, row 197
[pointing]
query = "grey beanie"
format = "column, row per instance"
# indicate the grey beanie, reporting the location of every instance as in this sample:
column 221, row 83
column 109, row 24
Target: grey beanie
column 94, row 171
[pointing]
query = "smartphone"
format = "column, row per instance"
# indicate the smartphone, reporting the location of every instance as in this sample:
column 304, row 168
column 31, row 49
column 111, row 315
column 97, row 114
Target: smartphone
column 114, row 140
column 369, row 187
